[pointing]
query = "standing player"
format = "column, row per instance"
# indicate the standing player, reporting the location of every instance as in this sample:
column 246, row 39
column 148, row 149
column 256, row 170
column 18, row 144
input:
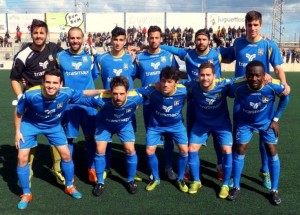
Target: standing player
column 114, row 117
column 116, row 63
column 30, row 65
column 211, row 117
column 166, row 118
column 254, row 47
column 193, row 59
column 39, row 111
column 257, row 113
column 149, row 66
column 78, row 71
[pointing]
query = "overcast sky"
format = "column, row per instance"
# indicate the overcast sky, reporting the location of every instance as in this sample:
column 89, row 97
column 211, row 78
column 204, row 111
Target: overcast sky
column 291, row 10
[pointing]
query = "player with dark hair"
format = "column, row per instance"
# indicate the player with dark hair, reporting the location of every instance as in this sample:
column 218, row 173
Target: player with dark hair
column 29, row 66
column 39, row 111
column 117, row 107
column 254, row 47
column 193, row 59
column 116, row 63
column 166, row 105
column 79, row 72
column 257, row 113
column 149, row 66
column 211, row 117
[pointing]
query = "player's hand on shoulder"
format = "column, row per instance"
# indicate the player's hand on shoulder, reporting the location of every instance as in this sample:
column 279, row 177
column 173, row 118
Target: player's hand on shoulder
column 275, row 126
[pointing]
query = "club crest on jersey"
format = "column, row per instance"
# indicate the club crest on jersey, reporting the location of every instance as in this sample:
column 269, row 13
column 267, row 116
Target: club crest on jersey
column 211, row 61
column 51, row 57
column 59, row 105
column 84, row 59
column 128, row 110
column 163, row 59
column 265, row 100
column 176, row 102
column 125, row 66
column 260, row 52
column 218, row 95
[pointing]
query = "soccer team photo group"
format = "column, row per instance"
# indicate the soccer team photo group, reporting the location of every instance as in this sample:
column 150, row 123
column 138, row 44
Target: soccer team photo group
column 164, row 118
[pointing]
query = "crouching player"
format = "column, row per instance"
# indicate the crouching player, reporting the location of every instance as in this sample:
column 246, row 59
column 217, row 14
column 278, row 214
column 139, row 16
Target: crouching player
column 115, row 117
column 39, row 111
column 257, row 113
column 212, row 117
column 166, row 103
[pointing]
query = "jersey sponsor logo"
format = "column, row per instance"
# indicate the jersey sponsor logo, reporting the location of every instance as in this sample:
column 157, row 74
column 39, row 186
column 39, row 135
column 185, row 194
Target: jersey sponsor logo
column 44, row 64
column 118, row 116
column 250, row 56
column 163, row 59
column 155, row 65
column 77, row 65
column 255, row 105
column 117, row 71
column 49, row 111
column 167, row 108
column 152, row 73
column 210, row 101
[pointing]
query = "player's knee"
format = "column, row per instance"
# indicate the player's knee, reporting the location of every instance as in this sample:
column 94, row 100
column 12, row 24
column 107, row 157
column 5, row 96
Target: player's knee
column 271, row 149
column 242, row 149
column 22, row 160
column 150, row 150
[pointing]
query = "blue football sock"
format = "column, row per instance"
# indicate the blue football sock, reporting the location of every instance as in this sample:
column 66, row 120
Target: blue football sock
column 153, row 165
column 238, row 165
column 194, row 164
column 91, row 150
column 100, row 166
column 168, row 151
column 68, row 170
column 182, row 162
column 23, row 175
column 227, row 168
column 108, row 155
column 274, row 166
column 263, row 156
column 131, row 164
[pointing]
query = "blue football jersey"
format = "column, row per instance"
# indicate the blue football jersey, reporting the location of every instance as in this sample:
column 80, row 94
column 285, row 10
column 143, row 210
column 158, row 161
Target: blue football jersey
column 193, row 60
column 257, row 108
column 166, row 110
column 111, row 66
column 149, row 65
column 211, row 109
column 43, row 112
column 114, row 117
column 78, row 70
column 244, row 52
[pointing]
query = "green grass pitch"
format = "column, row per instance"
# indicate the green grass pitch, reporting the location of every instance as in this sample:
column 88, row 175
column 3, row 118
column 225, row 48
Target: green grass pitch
column 49, row 198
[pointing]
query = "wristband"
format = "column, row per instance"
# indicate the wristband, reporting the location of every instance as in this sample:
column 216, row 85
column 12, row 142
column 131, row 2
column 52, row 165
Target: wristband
column 275, row 119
